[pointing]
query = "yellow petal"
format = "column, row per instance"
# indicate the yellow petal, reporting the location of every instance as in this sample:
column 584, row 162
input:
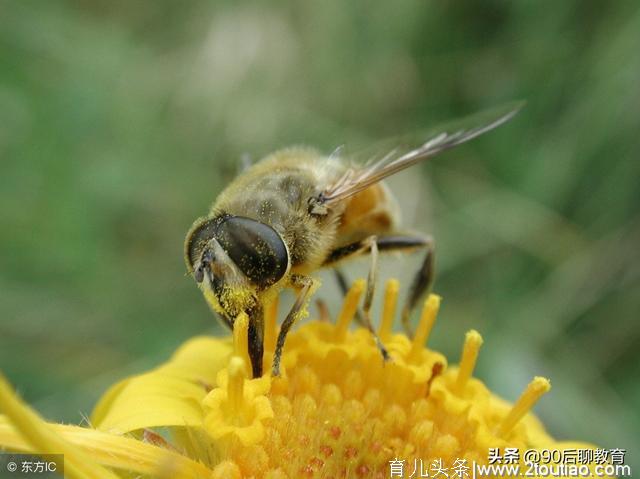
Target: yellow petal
column 37, row 436
column 201, row 358
column 109, row 450
column 170, row 395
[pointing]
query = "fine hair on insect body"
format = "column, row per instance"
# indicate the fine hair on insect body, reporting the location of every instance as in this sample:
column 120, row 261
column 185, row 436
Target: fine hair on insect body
column 297, row 211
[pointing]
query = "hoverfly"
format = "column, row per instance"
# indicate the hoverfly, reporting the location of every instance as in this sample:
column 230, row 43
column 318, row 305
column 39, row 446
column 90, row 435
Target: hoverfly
column 297, row 211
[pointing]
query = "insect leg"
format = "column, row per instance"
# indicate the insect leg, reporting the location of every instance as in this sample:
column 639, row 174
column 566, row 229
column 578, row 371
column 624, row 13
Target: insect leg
column 343, row 282
column 369, row 245
column 423, row 279
column 306, row 283
column 368, row 297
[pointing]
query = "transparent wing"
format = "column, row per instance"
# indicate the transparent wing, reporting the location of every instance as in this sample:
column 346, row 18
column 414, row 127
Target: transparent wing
column 386, row 161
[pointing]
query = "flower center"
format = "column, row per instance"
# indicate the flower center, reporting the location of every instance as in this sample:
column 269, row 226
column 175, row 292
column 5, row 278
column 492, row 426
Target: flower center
column 340, row 410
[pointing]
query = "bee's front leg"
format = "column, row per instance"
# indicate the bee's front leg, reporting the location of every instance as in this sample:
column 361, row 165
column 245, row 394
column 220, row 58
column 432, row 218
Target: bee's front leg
column 306, row 286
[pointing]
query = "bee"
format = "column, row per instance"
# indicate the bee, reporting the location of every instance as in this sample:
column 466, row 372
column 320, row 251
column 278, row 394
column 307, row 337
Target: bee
column 297, row 211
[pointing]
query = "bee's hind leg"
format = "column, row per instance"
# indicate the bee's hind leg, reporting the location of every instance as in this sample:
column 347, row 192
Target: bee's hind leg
column 341, row 279
column 424, row 277
column 306, row 285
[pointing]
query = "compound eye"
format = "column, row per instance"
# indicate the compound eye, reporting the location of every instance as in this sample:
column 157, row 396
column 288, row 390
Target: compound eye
column 198, row 240
column 256, row 248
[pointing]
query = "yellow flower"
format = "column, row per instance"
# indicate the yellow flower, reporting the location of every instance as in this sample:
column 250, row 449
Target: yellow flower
column 338, row 410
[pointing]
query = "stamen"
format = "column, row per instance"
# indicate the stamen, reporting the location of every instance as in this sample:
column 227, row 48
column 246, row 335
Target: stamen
column 241, row 337
column 235, row 386
column 270, row 324
column 534, row 391
column 349, row 307
column 472, row 343
column 427, row 318
column 389, row 308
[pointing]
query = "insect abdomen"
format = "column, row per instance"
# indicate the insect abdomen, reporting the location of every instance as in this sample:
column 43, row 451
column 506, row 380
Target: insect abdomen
column 373, row 211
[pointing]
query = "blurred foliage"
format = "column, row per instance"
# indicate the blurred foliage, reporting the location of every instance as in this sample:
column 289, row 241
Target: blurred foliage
column 121, row 121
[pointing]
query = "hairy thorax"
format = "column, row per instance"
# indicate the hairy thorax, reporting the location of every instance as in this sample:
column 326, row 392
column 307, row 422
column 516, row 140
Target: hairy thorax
column 276, row 191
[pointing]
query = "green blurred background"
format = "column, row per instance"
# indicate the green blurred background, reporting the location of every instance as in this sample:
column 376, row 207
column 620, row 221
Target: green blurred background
column 121, row 121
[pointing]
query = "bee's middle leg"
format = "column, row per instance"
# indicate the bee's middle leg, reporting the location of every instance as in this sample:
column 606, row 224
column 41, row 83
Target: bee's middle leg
column 422, row 281
column 368, row 245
